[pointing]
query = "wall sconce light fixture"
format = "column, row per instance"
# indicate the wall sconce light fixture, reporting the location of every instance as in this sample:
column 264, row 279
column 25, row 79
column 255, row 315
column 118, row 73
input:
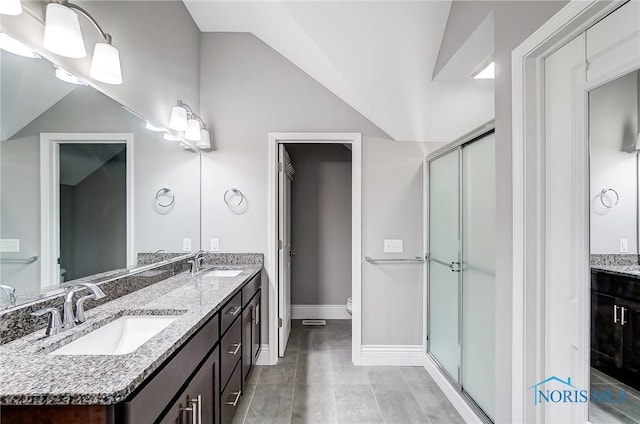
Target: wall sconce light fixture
column 62, row 36
column 183, row 118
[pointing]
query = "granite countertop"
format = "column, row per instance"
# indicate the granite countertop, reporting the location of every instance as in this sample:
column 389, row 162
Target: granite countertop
column 29, row 376
column 626, row 270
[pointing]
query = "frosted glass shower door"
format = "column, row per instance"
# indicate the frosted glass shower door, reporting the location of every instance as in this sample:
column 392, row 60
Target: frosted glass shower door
column 478, row 272
column 443, row 261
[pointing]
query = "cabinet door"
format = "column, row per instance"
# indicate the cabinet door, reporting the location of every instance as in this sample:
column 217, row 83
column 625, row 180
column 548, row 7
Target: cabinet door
column 631, row 342
column 198, row 403
column 606, row 335
column 256, row 338
column 247, row 324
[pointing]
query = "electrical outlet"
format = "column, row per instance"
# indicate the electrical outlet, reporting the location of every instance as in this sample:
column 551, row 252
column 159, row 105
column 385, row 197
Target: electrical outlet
column 624, row 246
column 9, row 245
column 393, row 246
column 215, row 245
column 186, row 245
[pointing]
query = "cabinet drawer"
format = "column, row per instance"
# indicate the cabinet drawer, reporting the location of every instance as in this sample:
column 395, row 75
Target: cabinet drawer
column 250, row 289
column 230, row 312
column 230, row 397
column 230, row 351
column 147, row 404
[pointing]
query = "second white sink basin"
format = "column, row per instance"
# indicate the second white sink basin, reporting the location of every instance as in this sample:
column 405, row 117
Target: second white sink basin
column 223, row 273
column 119, row 337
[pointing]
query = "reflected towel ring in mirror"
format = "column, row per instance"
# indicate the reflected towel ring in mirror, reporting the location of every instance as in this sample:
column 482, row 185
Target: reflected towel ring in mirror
column 604, row 194
column 170, row 198
column 229, row 196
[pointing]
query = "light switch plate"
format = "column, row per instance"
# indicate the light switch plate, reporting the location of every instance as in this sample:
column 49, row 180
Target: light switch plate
column 186, row 245
column 9, row 245
column 393, row 246
column 624, row 246
column 215, row 245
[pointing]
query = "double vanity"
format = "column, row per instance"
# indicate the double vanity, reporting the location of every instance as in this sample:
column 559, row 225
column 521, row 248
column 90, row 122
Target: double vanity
column 615, row 322
column 177, row 351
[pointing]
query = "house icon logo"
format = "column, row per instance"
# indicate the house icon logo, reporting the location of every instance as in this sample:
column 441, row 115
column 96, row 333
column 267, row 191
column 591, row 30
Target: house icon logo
column 563, row 391
column 556, row 390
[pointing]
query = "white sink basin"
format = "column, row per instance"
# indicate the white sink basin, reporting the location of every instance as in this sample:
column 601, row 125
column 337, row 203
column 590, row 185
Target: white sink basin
column 223, row 273
column 119, row 337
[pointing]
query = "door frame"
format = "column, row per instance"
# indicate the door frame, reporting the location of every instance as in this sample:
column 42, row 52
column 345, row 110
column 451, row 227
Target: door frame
column 271, row 264
column 50, row 196
column 529, row 315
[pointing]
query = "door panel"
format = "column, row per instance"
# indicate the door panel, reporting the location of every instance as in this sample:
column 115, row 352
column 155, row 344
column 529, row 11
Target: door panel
column 444, row 236
column 284, row 253
column 478, row 271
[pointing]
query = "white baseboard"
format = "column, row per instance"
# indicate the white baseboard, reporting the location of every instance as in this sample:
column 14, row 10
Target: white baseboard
column 392, row 355
column 319, row 312
column 454, row 396
column 263, row 356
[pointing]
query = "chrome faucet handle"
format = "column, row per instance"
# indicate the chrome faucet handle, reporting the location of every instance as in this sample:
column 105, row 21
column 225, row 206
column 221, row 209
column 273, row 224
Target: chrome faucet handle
column 10, row 292
column 194, row 266
column 55, row 323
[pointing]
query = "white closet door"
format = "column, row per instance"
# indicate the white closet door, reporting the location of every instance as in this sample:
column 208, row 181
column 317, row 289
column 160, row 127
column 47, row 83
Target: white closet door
column 284, row 253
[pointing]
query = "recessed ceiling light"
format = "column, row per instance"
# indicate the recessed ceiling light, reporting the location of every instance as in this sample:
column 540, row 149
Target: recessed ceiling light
column 67, row 76
column 486, row 72
column 11, row 45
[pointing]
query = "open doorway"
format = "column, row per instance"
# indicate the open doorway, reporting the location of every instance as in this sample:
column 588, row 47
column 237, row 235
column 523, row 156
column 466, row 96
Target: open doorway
column 86, row 195
column 315, row 216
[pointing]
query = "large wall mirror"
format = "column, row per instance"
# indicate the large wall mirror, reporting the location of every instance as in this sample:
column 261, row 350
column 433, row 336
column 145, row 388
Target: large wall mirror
column 85, row 186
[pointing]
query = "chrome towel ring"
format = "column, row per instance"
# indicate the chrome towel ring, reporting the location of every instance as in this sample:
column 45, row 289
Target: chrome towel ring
column 165, row 193
column 230, row 195
column 603, row 195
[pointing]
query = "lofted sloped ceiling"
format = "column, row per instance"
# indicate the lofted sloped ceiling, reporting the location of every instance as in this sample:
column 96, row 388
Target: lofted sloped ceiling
column 377, row 56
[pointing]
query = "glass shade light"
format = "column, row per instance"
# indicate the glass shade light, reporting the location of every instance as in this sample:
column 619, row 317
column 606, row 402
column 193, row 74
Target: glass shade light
column 105, row 65
column 66, row 76
column 192, row 133
column 487, row 72
column 178, row 120
column 62, row 32
column 11, row 45
column 10, row 7
column 205, row 139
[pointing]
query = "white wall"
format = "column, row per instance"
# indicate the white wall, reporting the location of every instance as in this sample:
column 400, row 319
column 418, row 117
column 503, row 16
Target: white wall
column 613, row 128
column 159, row 51
column 249, row 90
column 157, row 164
column 320, row 224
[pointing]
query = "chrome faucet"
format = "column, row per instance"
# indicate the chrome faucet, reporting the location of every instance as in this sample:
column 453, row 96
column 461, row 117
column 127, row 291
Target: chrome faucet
column 10, row 292
column 69, row 319
column 196, row 263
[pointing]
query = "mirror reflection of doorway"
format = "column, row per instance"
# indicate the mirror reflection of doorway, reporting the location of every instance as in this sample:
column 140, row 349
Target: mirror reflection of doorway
column 93, row 194
column 614, row 136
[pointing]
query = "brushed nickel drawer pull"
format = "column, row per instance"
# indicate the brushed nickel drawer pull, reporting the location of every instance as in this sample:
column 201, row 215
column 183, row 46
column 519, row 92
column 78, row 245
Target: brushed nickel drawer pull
column 234, row 402
column 234, row 311
column 235, row 351
column 195, row 409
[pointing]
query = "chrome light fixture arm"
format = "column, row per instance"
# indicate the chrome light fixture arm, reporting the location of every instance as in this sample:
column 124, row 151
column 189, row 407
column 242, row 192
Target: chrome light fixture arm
column 105, row 35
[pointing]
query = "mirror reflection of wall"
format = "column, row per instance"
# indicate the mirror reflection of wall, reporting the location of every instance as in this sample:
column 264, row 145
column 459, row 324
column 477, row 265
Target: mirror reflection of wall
column 614, row 118
column 92, row 238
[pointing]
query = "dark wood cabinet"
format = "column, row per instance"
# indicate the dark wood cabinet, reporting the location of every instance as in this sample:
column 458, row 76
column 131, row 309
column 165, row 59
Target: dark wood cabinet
column 615, row 326
column 198, row 403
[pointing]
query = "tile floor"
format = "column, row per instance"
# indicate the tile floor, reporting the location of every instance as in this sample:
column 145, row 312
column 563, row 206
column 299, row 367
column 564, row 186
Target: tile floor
column 317, row 383
column 610, row 413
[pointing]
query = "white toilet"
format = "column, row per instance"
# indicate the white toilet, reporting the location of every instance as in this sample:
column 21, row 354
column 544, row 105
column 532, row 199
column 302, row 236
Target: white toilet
column 349, row 305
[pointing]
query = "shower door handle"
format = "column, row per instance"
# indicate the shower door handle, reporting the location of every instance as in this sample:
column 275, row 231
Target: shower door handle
column 455, row 267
